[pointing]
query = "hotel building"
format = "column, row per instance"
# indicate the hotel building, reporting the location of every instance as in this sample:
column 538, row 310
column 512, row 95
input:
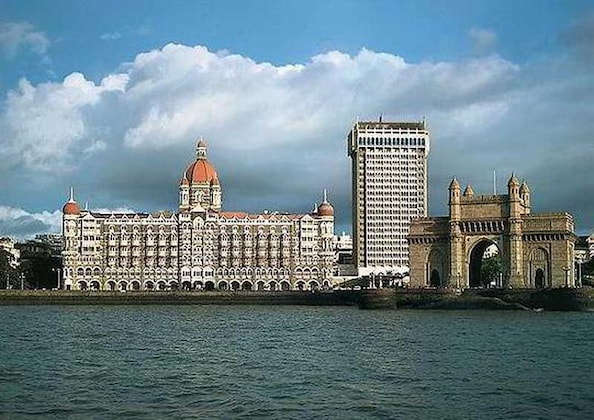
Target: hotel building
column 198, row 247
column 389, row 188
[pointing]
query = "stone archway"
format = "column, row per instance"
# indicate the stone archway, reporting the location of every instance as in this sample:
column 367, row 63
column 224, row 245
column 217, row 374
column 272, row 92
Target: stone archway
column 539, row 268
column 479, row 275
column 535, row 250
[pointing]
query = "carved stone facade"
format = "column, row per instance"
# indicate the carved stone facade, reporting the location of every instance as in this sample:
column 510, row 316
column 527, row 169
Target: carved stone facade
column 200, row 246
column 536, row 249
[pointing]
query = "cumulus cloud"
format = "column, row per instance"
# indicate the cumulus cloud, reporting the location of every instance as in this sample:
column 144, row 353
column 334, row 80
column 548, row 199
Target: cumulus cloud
column 482, row 39
column 43, row 125
column 17, row 36
column 277, row 133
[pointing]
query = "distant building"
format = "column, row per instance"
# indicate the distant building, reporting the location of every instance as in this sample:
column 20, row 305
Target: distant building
column 343, row 248
column 12, row 252
column 54, row 241
column 200, row 246
column 389, row 188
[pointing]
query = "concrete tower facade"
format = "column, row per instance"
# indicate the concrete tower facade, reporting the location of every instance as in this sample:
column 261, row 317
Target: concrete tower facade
column 389, row 188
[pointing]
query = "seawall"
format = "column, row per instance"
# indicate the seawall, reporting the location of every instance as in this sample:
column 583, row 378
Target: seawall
column 498, row 299
column 563, row 299
column 63, row 297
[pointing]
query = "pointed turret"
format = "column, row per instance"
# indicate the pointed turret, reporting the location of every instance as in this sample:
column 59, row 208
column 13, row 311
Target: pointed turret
column 454, row 202
column 454, row 184
column 525, row 196
column 513, row 181
column 469, row 192
column 513, row 189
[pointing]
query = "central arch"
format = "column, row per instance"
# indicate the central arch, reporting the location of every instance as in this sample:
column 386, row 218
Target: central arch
column 484, row 264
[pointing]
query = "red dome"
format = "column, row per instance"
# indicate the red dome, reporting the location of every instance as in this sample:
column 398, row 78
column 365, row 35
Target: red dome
column 71, row 208
column 325, row 209
column 201, row 171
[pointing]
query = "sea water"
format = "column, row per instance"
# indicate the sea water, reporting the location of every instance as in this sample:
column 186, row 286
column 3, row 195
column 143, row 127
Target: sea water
column 293, row 362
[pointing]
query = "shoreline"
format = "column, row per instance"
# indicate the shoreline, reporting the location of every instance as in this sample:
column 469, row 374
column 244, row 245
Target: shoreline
column 565, row 299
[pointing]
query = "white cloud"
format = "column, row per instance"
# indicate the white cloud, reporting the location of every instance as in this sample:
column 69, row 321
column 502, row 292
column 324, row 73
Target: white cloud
column 15, row 36
column 172, row 95
column 43, row 125
column 127, row 138
column 482, row 39
column 110, row 36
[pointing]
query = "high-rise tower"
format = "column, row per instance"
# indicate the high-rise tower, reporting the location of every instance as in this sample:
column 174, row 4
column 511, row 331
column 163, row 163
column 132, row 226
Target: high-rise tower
column 389, row 176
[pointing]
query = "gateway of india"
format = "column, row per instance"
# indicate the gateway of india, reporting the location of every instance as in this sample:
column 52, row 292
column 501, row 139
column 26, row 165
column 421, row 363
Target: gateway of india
column 199, row 247
column 536, row 250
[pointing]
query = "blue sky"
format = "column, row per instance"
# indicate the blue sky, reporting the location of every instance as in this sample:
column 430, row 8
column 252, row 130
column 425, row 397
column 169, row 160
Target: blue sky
column 110, row 96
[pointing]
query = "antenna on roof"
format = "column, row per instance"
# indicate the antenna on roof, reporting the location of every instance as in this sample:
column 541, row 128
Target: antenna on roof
column 86, row 206
column 325, row 196
column 71, row 194
column 494, row 182
column 381, row 116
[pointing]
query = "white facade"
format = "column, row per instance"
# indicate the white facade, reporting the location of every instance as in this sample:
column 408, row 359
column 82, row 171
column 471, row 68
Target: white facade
column 389, row 188
column 200, row 246
column 14, row 255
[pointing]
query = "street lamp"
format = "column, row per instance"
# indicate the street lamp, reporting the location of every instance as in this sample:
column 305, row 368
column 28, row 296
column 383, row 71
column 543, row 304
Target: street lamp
column 57, row 271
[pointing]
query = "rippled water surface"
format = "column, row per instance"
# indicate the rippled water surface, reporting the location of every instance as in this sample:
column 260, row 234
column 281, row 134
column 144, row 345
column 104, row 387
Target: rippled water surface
column 293, row 362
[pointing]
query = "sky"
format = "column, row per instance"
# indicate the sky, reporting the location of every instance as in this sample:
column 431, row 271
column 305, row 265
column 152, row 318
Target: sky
column 110, row 97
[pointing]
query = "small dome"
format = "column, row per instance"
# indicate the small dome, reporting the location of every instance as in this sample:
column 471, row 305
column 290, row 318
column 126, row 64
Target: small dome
column 325, row 209
column 524, row 188
column 71, row 208
column 201, row 143
column 201, row 171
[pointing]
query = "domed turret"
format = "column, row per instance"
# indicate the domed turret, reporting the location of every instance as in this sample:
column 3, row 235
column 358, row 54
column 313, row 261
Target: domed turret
column 325, row 208
column 201, row 170
column 71, row 207
column 200, row 188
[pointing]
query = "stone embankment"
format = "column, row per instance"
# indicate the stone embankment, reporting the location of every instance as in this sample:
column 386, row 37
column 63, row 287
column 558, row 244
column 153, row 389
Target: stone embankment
column 499, row 299
column 564, row 299
column 63, row 297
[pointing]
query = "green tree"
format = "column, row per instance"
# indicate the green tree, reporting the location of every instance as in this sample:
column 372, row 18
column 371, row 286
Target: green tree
column 491, row 267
